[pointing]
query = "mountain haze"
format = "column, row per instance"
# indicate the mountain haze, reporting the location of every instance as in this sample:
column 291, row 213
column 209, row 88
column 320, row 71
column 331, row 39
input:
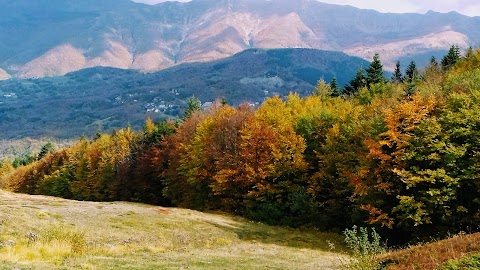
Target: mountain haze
column 53, row 37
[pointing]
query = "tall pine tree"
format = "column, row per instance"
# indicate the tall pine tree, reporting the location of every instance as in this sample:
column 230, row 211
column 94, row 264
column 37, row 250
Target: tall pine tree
column 451, row 58
column 397, row 76
column 193, row 105
column 356, row 83
column 334, row 86
column 375, row 71
column 411, row 73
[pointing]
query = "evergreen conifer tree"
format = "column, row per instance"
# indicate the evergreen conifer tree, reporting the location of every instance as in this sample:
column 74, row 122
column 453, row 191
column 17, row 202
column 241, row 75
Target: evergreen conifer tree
column 451, row 58
column 47, row 148
column 375, row 71
column 397, row 74
column 224, row 101
column 193, row 105
column 334, row 87
column 411, row 73
column 469, row 53
column 356, row 83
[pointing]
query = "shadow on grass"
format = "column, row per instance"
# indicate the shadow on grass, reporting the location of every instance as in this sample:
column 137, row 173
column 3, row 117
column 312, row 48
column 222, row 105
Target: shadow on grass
column 296, row 238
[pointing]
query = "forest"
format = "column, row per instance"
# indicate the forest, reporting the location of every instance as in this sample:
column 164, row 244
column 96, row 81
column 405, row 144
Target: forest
column 400, row 154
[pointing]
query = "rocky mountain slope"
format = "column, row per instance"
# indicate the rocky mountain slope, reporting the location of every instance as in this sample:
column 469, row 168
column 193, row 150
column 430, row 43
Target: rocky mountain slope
column 4, row 75
column 53, row 37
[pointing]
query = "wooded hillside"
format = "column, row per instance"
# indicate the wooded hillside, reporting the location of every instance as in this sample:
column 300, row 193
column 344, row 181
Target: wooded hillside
column 403, row 156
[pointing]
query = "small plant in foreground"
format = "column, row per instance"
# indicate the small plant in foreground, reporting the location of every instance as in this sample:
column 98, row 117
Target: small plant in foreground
column 472, row 262
column 365, row 249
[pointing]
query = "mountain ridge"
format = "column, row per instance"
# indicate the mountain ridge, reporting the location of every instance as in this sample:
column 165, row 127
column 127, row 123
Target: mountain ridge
column 148, row 38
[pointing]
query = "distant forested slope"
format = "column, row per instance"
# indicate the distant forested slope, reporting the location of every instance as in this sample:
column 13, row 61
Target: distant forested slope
column 103, row 99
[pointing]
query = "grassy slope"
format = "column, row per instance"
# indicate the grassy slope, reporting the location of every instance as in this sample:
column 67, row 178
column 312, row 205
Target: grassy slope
column 52, row 233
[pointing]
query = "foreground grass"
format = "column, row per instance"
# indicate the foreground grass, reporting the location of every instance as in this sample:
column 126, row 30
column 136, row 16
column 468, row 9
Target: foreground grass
column 457, row 252
column 38, row 232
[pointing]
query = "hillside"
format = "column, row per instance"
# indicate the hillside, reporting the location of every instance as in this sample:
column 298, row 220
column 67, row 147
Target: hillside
column 38, row 232
column 105, row 98
column 457, row 252
column 127, row 35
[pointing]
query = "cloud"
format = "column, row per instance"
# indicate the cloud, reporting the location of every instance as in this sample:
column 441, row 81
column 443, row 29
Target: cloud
column 467, row 7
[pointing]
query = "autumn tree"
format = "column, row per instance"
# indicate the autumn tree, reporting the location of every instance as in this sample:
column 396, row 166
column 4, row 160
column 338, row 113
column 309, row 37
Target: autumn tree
column 273, row 155
column 380, row 190
column 6, row 168
column 179, row 152
column 322, row 89
column 339, row 134
column 141, row 177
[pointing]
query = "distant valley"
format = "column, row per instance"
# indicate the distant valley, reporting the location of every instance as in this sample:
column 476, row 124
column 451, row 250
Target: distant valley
column 103, row 98
column 44, row 38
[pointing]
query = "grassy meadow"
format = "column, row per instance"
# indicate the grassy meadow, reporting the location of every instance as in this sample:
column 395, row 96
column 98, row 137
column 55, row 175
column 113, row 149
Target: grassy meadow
column 39, row 232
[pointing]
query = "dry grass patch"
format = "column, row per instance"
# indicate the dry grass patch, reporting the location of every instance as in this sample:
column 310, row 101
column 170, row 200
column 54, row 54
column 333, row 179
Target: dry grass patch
column 39, row 232
column 434, row 255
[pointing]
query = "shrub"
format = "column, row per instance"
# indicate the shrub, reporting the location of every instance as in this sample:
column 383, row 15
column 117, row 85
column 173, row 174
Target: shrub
column 73, row 239
column 365, row 249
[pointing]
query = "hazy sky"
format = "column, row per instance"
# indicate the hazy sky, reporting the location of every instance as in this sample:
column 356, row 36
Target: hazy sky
column 467, row 7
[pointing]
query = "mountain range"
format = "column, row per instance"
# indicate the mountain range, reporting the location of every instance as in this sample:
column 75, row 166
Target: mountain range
column 54, row 37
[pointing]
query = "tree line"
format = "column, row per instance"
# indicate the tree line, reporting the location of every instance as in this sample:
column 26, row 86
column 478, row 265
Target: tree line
column 402, row 155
